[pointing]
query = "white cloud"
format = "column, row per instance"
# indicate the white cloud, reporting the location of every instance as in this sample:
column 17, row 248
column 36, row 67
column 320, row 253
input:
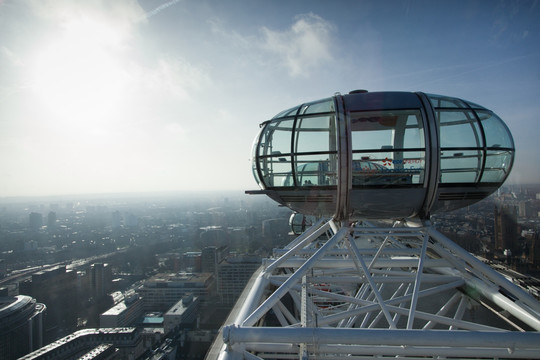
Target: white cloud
column 179, row 77
column 304, row 47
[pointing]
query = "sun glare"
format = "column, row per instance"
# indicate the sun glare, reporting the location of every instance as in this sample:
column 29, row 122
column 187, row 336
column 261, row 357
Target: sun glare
column 78, row 76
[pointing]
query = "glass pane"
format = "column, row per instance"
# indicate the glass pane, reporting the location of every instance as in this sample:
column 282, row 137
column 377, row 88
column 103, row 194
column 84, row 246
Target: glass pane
column 414, row 164
column 320, row 106
column 277, row 138
column 459, row 129
column 276, row 171
column 313, row 170
column 445, row 101
column 288, row 112
column 475, row 106
column 395, row 168
column 315, row 134
column 414, row 132
column 254, row 149
column 497, row 166
column 497, row 135
column 460, row 166
column 386, row 130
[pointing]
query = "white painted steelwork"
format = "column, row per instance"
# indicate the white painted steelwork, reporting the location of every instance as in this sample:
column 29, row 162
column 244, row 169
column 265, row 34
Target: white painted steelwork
column 366, row 290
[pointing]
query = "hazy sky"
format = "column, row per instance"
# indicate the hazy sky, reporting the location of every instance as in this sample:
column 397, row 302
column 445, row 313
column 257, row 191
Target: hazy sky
column 157, row 95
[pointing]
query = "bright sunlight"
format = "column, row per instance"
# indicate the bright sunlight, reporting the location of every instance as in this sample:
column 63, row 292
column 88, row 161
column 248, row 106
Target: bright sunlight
column 78, row 75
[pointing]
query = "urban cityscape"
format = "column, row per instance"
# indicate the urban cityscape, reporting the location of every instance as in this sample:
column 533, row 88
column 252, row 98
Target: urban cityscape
column 160, row 273
column 130, row 227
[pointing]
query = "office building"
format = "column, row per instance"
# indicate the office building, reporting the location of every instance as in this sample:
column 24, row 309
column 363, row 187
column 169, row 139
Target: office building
column 101, row 279
column 181, row 315
column 191, row 261
column 162, row 291
column 124, row 313
column 21, row 326
column 211, row 256
column 506, row 228
column 233, row 274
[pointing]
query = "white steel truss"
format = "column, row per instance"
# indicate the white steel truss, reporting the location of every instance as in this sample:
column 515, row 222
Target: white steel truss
column 396, row 289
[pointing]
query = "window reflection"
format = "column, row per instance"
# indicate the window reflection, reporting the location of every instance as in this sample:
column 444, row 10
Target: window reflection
column 302, row 150
column 470, row 139
column 461, row 166
column 459, row 129
column 497, row 135
column 388, row 148
column 497, row 166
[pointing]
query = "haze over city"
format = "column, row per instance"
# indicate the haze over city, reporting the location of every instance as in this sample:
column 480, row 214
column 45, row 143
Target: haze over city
column 140, row 96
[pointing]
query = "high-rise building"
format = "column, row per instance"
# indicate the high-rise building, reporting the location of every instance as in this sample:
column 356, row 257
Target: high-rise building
column 51, row 221
column 233, row 274
column 211, row 256
column 21, row 326
column 35, row 221
column 534, row 250
column 101, row 279
column 506, row 228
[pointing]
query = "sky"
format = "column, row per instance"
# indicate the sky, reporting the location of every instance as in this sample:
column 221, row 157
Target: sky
column 167, row 95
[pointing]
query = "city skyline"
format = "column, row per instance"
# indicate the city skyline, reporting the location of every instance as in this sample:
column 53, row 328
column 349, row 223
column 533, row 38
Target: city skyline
column 154, row 96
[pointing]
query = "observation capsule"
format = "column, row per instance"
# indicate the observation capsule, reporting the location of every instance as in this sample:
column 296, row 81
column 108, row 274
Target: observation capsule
column 382, row 155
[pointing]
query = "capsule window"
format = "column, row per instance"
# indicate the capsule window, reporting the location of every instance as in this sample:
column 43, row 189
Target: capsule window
column 274, row 152
column 497, row 135
column 315, row 134
column 388, row 148
column 498, row 165
column 459, row 129
column 461, row 166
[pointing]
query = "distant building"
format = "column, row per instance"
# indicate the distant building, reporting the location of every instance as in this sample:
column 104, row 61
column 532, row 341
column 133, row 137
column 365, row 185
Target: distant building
column 525, row 209
column 51, row 221
column 534, row 251
column 55, row 279
column 35, row 221
column 124, row 313
column 127, row 342
column 192, row 261
column 21, row 326
column 51, row 287
column 213, row 236
column 183, row 314
column 3, row 268
column 116, row 220
column 101, row 279
column 211, row 256
column 162, row 291
column 506, row 228
column 233, row 274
